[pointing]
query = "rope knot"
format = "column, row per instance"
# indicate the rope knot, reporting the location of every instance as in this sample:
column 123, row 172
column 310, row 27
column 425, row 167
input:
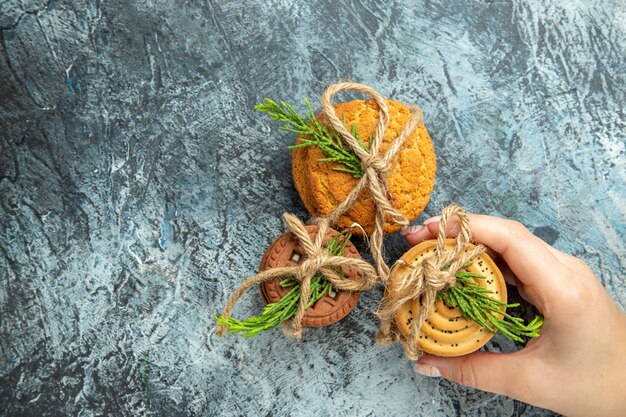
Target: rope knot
column 436, row 277
column 310, row 265
column 375, row 162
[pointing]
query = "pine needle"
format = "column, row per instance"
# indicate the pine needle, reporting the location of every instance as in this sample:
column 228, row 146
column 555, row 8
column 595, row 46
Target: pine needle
column 477, row 305
column 314, row 133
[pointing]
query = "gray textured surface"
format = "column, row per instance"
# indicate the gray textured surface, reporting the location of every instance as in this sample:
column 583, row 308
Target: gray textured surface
column 138, row 187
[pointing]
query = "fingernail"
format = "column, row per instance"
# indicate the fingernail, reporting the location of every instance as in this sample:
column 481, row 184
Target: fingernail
column 432, row 220
column 411, row 230
column 427, row 370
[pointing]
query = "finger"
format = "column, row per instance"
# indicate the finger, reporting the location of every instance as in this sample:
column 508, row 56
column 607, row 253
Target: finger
column 526, row 255
column 508, row 275
column 562, row 257
column 417, row 234
column 507, row 374
column 511, row 279
column 521, row 289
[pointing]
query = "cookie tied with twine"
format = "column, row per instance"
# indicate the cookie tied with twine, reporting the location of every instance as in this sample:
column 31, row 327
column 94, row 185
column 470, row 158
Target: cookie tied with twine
column 325, row 169
column 327, row 306
column 317, row 259
column 424, row 280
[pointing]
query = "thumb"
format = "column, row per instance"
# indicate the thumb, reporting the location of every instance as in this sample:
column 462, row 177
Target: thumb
column 507, row 374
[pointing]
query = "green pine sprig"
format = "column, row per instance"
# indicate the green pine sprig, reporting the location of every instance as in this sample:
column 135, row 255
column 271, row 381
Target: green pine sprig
column 314, row 133
column 275, row 313
column 477, row 305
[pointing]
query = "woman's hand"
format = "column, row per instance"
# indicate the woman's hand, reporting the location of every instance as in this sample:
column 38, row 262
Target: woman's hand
column 577, row 366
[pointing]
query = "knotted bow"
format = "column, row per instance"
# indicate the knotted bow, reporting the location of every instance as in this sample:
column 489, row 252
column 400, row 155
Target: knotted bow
column 425, row 280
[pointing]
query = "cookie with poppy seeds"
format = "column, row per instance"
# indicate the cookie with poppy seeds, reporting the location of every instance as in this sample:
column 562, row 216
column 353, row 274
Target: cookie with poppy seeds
column 445, row 332
column 410, row 180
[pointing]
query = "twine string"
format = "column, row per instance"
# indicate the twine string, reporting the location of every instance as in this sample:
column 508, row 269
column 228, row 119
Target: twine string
column 424, row 280
column 374, row 166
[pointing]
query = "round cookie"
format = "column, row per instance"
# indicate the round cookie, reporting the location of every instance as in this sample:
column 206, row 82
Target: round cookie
column 286, row 250
column 446, row 332
column 410, row 181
